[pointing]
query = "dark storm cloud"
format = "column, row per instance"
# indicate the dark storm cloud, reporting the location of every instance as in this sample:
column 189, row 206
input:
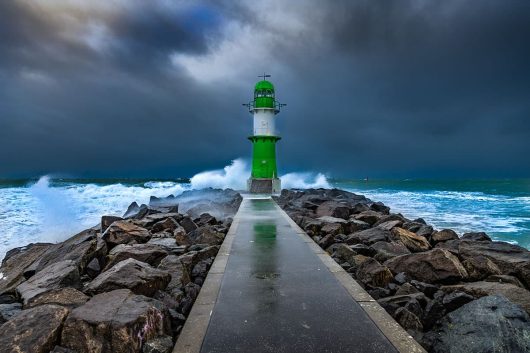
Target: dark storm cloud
column 377, row 88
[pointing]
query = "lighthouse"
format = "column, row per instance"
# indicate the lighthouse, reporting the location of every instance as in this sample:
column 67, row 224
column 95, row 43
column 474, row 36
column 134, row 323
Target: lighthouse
column 264, row 108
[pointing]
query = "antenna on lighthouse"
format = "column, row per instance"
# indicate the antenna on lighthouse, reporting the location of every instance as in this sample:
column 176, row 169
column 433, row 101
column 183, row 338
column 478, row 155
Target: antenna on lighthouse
column 264, row 76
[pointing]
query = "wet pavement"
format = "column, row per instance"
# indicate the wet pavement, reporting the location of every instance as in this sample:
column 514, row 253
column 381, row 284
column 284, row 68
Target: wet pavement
column 277, row 296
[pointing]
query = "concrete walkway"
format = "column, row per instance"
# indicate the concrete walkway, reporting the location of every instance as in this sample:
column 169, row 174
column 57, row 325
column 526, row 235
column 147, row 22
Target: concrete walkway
column 272, row 289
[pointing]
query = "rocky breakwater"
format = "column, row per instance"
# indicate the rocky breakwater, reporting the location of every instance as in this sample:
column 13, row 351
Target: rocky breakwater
column 126, row 285
column 452, row 293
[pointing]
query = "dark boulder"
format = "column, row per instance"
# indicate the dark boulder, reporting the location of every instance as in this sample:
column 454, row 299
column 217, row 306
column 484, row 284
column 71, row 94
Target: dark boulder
column 522, row 271
column 132, row 274
column 517, row 295
column 116, row 321
column 505, row 279
column 490, row 324
column 373, row 273
column 443, row 235
column 168, row 224
column 188, row 224
column 8, row 311
column 407, row 320
column 413, row 242
column 148, row 253
column 370, row 217
column 206, row 235
column 480, row 267
column 387, row 250
column 162, row 344
column 333, row 209
column 179, row 274
column 476, row 236
column 67, row 297
column 57, row 275
column 380, row 207
column 106, row 221
column 125, row 232
column 14, row 264
column 81, row 249
column 434, row 266
column 455, row 300
column 35, row 330
column 369, row 236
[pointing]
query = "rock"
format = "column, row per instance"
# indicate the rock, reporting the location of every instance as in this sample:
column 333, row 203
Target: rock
column 506, row 256
column 390, row 218
column 7, row 311
column 188, row 224
column 66, row 297
column 476, row 236
column 413, row 242
column 206, row 219
column 443, row 235
column 201, row 269
column 517, row 295
column 168, row 224
column 332, row 228
column 379, row 293
column 401, row 278
column 355, row 225
column 434, row 311
column 125, row 232
column 81, row 249
column 132, row 210
column 455, row 300
column 156, row 216
column 362, row 249
column 413, row 302
column 179, row 274
column 434, row 266
column 390, row 224
column 387, row 250
column 424, row 231
column 180, row 236
column 132, row 274
column 373, row 273
column 206, row 235
column 345, row 253
column 327, row 241
column 369, row 236
column 93, row 268
column 148, row 253
column 59, row 349
column 505, row 279
column 333, row 209
column 7, row 299
column 407, row 320
column 426, row 288
column 57, row 275
column 106, row 221
column 407, row 288
column 370, row 217
column 480, row 267
column 168, row 244
column 116, row 321
column 522, row 272
column 14, row 264
column 380, row 207
column 490, row 324
column 162, row 344
column 35, row 330
column 191, row 291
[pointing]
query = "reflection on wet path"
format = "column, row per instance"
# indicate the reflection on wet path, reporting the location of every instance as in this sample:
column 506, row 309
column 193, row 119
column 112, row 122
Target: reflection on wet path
column 277, row 296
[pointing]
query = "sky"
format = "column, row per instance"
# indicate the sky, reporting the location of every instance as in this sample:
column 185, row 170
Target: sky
column 375, row 88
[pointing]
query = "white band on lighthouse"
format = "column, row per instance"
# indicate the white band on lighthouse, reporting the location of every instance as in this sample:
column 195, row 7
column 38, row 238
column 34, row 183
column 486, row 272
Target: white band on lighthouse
column 264, row 122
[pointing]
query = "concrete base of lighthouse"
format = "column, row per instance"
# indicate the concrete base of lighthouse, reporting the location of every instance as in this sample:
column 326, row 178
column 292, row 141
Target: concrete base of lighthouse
column 264, row 186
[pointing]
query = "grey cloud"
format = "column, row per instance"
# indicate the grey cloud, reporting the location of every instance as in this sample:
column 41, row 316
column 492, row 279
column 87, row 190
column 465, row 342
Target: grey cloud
column 374, row 88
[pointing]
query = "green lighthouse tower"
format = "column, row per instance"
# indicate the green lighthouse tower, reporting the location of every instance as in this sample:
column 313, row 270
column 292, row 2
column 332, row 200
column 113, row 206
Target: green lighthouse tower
column 264, row 177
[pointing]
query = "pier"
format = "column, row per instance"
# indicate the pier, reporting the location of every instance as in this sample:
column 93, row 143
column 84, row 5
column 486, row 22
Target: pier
column 272, row 289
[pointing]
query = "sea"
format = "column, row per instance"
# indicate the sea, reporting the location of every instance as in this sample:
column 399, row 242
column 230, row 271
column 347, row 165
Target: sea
column 51, row 208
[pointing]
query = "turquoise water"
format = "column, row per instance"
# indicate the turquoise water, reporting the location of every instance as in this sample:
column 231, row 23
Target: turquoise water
column 500, row 207
column 50, row 210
